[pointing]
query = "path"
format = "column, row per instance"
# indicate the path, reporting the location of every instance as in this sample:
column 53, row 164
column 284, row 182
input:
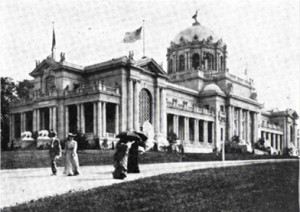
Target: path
column 22, row 185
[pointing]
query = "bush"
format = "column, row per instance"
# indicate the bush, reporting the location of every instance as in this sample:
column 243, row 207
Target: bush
column 81, row 140
column 97, row 145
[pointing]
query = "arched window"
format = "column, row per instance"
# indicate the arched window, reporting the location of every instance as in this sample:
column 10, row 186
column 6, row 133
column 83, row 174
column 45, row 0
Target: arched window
column 195, row 61
column 170, row 66
column 210, row 61
column 49, row 83
column 181, row 63
column 145, row 102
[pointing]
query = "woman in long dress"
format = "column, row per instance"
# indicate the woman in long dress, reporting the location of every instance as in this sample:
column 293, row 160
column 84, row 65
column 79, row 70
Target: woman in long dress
column 121, row 159
column 72, row 161
column 133, row 157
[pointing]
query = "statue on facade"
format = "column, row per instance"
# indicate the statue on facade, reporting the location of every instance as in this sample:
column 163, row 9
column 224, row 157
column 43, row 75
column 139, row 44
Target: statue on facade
column 229, row 88
column 37, row 62
column 131, row 54
column 62, row 57
column 195, row 17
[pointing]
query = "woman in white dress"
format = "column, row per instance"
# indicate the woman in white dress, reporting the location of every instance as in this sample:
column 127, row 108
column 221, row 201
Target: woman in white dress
column 72, row 161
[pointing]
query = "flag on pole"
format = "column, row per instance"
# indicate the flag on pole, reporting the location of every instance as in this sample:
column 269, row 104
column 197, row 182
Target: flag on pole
column 131, row 37
column 53, row 41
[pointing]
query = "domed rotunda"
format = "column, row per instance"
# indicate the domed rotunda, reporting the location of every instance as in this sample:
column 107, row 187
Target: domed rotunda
column 196, row 48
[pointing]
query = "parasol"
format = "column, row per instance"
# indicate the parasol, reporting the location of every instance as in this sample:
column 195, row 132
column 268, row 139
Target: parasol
column 129, row 136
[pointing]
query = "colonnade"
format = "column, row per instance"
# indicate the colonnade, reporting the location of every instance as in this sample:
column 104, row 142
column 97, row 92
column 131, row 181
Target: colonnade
column 206, row 136
column 99, row 118
column 243, row 123
column 275, row 139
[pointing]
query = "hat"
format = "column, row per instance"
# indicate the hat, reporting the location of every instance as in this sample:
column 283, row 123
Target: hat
column 71, row 135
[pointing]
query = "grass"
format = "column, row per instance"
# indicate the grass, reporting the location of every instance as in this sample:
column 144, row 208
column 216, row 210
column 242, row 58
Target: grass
column 264, row 187
column 40, row 158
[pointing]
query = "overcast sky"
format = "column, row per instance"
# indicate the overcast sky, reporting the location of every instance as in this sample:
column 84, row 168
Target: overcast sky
column 262, row 36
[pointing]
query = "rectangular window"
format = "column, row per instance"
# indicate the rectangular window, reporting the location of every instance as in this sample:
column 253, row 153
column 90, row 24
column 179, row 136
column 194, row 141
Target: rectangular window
column 221, row 108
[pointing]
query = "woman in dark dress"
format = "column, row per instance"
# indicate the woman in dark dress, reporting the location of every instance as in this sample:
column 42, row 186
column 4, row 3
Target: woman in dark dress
column 133, row 157
column 121, row 159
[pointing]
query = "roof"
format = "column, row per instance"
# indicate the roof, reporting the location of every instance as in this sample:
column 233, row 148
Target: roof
column 212, row 88
column 197, row 32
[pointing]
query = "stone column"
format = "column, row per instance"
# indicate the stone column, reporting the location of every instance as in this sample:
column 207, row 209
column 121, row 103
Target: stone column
column 67, row 120
column 274, row 140
column 229, row 122
column 21, row 122
column 38, row 119
column 61, row 120
column 117, row 120
column 205, row 132
column 130, row 105
column 186, row 129
column 42, row 119
column 54, row 122
column 24, row 121
column 240, row 131
column 255, row 128
column 263, row 135
column 78, row 117
column 248, row 135
column 50, row 118
column 94, row 118
column 295, row 134
column 175, row 124
column 157, row 111
column 163, row 114
column 82, row 119
column 104, row 119
column 196, row 130
column 34, row 126
column 213, row 133
column 99, row 119
column 136, row 106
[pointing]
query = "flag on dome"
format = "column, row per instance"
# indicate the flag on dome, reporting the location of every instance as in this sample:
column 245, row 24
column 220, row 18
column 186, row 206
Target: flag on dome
column 131, row 37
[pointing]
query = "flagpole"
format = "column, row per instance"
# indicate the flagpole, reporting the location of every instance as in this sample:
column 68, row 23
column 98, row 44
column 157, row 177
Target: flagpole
column 52, row 49
column 144, row 38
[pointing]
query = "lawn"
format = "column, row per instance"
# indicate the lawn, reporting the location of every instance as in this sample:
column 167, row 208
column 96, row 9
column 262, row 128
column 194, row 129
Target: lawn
column 263, row 187
column 40, row 158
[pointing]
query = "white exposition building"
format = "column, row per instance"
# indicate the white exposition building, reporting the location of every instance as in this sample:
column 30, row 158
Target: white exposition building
column 196, row 98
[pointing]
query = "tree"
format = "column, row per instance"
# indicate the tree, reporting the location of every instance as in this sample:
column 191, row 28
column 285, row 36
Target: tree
column 23, row 89
column 8, row 94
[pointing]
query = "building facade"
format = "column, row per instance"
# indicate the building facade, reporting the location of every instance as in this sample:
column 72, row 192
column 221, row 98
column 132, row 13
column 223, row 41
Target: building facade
column 196, row 98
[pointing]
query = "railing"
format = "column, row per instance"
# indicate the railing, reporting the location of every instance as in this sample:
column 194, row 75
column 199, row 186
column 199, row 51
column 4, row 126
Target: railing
column 190, row 108
column 93, row 89
column 271, row 126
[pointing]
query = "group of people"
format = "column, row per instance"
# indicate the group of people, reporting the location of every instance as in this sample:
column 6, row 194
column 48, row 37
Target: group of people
column 125, row 157
column 72, row 161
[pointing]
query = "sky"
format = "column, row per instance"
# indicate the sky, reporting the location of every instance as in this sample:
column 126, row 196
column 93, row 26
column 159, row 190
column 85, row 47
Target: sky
column 261, row 36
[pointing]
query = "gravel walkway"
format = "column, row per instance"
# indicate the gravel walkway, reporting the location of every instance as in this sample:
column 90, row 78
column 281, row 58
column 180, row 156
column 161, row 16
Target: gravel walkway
column 22, row 185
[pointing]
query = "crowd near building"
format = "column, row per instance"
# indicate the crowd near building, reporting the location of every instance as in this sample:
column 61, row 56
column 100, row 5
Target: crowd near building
column 197, row 98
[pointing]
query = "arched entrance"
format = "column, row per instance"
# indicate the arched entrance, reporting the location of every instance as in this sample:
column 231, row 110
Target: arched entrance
column 145, row 102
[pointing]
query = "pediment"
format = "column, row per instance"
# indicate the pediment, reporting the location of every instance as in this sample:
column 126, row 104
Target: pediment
column 151, row 65
column 44, row 68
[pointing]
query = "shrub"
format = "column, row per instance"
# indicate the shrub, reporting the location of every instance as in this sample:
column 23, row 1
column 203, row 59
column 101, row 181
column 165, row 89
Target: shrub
column 97, row 145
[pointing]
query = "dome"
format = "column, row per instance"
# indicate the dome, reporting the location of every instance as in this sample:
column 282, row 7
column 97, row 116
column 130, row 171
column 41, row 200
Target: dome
column 196, row 32
column 212, row 88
